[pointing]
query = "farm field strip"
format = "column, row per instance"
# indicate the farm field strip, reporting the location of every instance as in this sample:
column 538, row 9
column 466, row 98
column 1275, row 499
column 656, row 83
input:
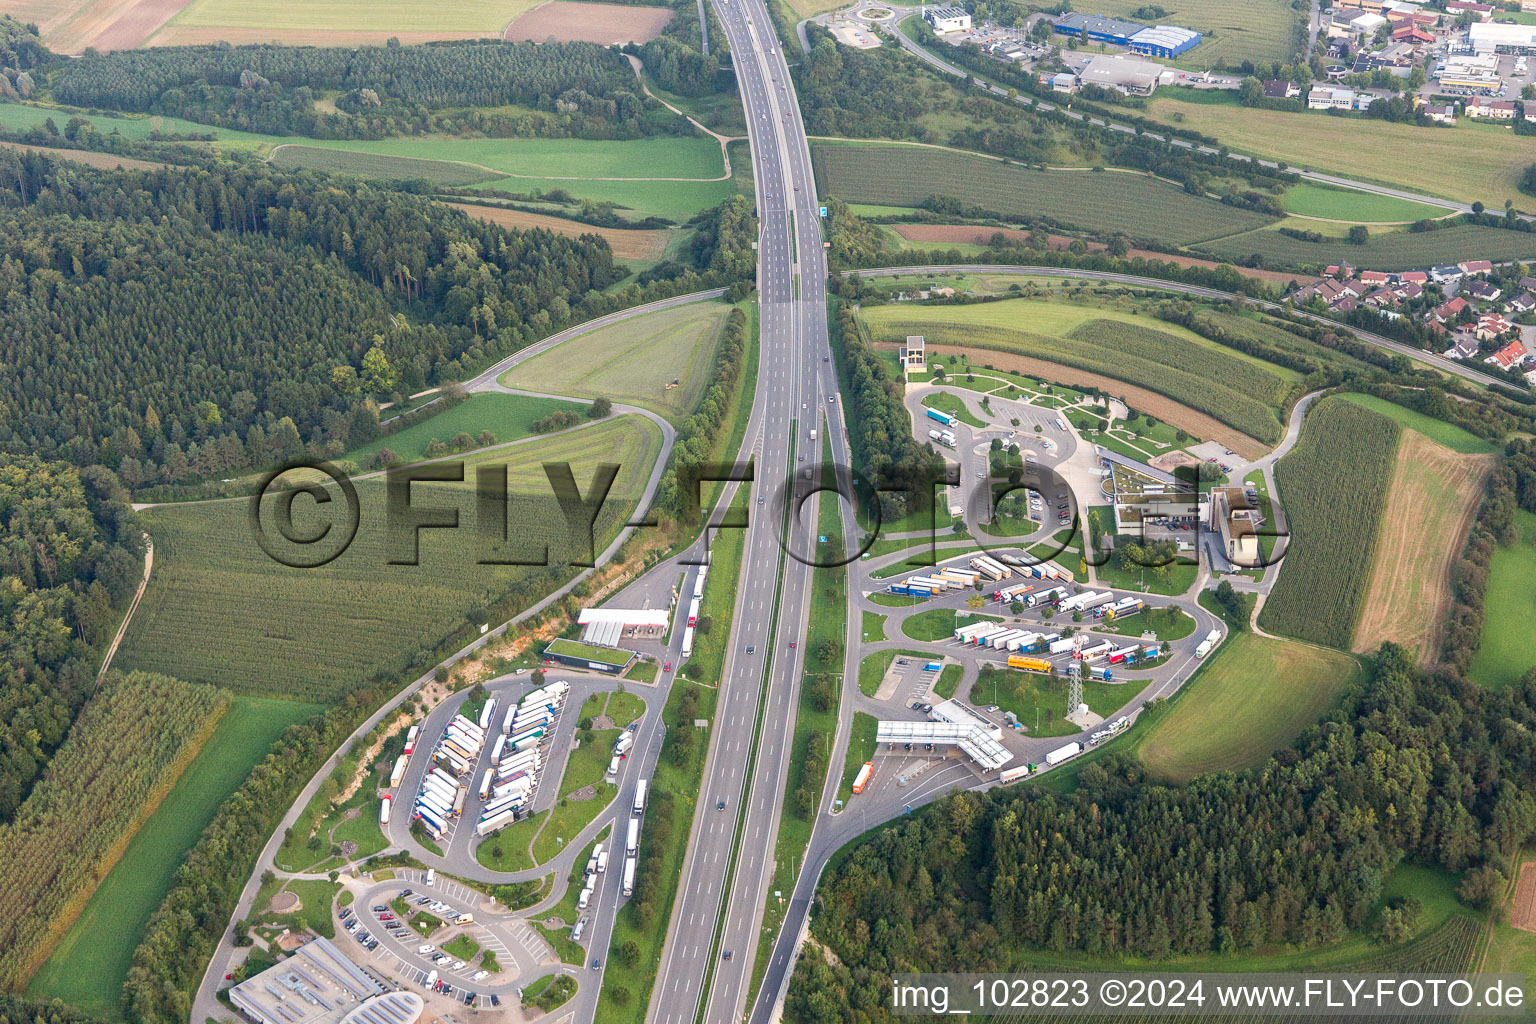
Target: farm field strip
column 607, row 24
column 1433, row 497
column 626, row 243
column 1336, row 204
column 1396, row 250
column 1137, row 204
column 465, row 17
column 1152, row 357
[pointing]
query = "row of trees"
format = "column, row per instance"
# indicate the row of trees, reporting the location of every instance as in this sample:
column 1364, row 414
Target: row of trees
column 1413, row 765
column 880, row 429
column 69, row 560
column 566, row 89
column 1511, row 486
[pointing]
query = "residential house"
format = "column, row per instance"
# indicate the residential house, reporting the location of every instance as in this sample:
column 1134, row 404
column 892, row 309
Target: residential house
column 1346, row 305
column 1328, row 290
column 1521, row 304
column 1498, row 110
column 1440, row 113
column 1354, row 288
column 1465, row 348
column 1412, row 34
column 1482, row 291
column 1476, row 267
column 1340, row 271
column 1378, row 278
column 1381, row 298
column 1448, row 311
column 1417, row 277
column 1490, row 326
column 1510, row 357
column 1409, row 290
column 1528, row 284
column 1445, row 273
column 1354, row 22
column 1279, row 89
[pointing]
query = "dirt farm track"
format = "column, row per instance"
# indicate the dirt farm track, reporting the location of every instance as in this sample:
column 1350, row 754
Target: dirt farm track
column 568, row 22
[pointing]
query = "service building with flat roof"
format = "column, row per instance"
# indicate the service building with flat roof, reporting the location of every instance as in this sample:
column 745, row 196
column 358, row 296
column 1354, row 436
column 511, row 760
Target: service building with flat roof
column 1095, row 28
column 1166, row 41
column 319, row 984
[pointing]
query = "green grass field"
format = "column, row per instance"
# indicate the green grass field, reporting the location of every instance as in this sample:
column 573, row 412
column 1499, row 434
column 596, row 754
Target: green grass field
column 19, row 117
column 1308, row 200
column 89, row 965
column 374, row 165
column 1439, row 431
column 219, row 610
column 509, row 417
column 939, row 624
column 1040, row 702
column 634, row 361
column 600, row 170
column 1254, row 696
column 472, row 17
column 1138, row 205
column 1468, row 162
column 1506, row 653
column 861, row 748
column 1263, row 30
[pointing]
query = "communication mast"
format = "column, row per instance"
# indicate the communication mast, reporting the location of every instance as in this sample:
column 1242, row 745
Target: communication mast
column 1075, row 675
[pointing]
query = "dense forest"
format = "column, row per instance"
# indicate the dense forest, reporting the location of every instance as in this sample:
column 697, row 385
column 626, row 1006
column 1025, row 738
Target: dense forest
column 178, row 324
column 71, row 558
column 561, row 89
column 676, row 58
column 1416, row 765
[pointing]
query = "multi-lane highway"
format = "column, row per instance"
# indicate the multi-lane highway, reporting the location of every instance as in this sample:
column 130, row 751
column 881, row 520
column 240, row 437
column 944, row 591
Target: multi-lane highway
column 729, row 860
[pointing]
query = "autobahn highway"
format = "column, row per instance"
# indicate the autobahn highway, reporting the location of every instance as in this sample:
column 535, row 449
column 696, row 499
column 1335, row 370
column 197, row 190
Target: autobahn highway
column 723, row 891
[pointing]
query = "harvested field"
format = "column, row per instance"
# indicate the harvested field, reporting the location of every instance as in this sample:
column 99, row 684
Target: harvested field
column 970, row 234
column 201, row 35
column 1522, row 914
column 1161, row 407
column 67, row 26
column 1431, row 503
column 89, row 157
column 137, row 24
column 564, row 21
column 630, row 244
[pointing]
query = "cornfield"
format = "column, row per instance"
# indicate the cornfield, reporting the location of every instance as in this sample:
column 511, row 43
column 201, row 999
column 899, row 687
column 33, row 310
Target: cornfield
column 219, row 611
column 1333, row 488
column 131, row 743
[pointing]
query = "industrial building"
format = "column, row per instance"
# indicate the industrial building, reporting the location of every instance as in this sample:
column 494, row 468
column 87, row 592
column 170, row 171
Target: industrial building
column 318, row 984
column 953, row 725
column 1093, row 28
column 605, row 626
column 948, row 19
column 1496, row 37
column 1167, row 41
column 1123, row 74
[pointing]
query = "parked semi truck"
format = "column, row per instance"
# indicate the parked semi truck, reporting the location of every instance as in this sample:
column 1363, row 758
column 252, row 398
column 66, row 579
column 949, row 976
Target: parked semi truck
column 1208, row 644
column 1028, row 664
column 632, row 841
column 640, row 796
column 384, row 809
column 942, row 417
column 398, row 771
column 410, row 740
column 693, row 612
column 991, row 568
column 1060, row 754
column 628, row 889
